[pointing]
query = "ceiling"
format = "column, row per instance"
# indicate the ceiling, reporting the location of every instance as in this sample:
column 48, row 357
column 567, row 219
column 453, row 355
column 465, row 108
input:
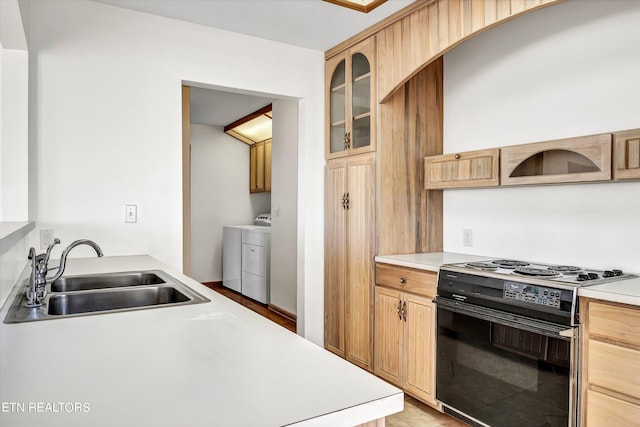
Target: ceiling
column 312, row 24
column 218, row 108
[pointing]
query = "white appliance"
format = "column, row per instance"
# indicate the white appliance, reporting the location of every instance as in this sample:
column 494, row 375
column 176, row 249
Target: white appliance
column 246, row 259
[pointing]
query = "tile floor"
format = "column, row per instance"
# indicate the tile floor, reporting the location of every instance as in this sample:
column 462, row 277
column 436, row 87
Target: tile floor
column 415, row 414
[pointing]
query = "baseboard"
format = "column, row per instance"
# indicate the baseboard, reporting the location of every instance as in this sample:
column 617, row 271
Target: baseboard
column 282, row 312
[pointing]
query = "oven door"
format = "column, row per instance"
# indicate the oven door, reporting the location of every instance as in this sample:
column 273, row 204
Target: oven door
column 499, row 369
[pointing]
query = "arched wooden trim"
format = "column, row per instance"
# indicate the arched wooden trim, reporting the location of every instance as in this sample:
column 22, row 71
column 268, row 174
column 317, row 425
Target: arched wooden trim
column 411, row 43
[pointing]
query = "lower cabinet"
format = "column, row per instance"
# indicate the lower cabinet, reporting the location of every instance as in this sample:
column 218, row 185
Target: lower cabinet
column 404, row 325
column 610, row 392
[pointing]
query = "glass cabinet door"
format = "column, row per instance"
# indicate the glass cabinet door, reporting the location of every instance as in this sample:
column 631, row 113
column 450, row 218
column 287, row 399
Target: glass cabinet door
column 350, row 95
column 338, row 109
column 360, row 101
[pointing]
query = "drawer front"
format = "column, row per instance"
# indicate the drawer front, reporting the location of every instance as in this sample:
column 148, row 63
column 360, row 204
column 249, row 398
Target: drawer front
column 614, row 367
column 603, row 410
column 407, row 279
column 614, row 322
column 254, row 260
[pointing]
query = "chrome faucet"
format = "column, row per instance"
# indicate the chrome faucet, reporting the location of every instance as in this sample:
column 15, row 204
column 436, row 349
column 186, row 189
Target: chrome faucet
column 36, row 291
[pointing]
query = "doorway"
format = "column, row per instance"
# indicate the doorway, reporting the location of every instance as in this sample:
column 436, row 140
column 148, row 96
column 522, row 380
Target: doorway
column 216, row 185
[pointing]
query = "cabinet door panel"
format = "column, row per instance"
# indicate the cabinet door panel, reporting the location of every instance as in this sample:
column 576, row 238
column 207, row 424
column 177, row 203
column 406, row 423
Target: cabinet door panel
column 603, row 410
column 335, row 257
column 360, row 253
column 615, row 322
column 469, row 169
column 267, row 166
column 626, row 155
column 418, row 337
column 388, row 335
column 603, row 356
column 259, row 167
column 253, row 159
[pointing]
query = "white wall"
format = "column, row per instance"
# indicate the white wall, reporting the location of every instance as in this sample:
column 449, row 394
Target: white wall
column 567, row 70
column 284, row 205
column 14, row 130
column 106, row 83
column 219, row 196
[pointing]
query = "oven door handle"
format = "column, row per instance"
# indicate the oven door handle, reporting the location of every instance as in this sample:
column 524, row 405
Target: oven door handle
column 507, row 319
column 568, row 333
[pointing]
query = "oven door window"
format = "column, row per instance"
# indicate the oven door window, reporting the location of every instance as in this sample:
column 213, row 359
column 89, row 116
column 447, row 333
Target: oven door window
column 502, row 375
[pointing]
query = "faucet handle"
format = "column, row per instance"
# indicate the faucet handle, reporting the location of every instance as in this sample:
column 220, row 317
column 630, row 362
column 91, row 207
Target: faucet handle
column 32, row 253
column 48, row 254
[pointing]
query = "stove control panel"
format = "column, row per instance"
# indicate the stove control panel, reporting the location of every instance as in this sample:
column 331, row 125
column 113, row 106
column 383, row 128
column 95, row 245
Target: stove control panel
column 532, row 294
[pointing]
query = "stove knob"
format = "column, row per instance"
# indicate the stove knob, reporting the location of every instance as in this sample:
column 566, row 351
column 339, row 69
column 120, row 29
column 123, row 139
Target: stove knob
column 582, row 277
column 617, row 272
column 593, row 276
column 608, row 273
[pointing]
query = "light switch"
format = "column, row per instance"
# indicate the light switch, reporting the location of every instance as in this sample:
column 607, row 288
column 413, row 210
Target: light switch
column 130, row 213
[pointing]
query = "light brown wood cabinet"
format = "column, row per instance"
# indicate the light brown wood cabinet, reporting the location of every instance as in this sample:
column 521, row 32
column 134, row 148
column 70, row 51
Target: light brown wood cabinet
column 626, row 155
column 350, row 101
column 405, row 330
column 267, row 166
column 610, row 391
column 469, row 169
column 349, row 252
column 580, row 159
column 260, row 167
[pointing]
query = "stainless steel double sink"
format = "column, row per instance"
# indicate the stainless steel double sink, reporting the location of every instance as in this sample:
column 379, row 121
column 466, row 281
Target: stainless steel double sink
column 105, row 293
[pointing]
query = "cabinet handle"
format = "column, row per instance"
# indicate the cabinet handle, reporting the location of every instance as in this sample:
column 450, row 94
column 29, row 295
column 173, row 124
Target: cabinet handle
column 402, row 280
column 399, row 309
column 347, row 140
column 404, row 311
column 457, row 156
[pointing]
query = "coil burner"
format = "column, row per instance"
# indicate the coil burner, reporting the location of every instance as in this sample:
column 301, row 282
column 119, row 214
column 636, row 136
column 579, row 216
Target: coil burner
column 482, row 266
column 509, row 263
column 566, row 269
column 536, row 272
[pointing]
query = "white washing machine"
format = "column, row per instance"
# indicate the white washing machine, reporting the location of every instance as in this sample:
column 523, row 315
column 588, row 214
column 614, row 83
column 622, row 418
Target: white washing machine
column 246, row 259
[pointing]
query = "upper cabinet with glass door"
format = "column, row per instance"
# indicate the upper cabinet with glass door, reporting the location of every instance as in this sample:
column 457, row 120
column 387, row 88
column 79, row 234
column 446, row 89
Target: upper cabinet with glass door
column 350, row 101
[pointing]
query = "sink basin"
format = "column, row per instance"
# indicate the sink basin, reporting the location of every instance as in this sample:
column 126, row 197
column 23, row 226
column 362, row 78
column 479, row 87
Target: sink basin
column 90, row 302
column 76, row 296
column 102, row 281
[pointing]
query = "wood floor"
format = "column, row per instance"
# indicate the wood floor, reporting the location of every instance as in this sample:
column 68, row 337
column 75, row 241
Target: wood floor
column 253, row 305
column 415, row 413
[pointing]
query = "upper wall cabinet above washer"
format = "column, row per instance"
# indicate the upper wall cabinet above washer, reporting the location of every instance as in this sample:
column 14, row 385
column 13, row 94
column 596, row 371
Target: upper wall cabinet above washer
column 581, row 159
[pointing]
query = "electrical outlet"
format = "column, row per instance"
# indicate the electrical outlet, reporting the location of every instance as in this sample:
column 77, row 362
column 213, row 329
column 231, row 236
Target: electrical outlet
column 46, row 238
column 467, row 237
column 130, row 213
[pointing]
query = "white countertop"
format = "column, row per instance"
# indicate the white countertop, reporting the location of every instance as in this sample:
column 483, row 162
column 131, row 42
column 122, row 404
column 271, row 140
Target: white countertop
column 428, row 261
column 211, row 364
column 622, row 291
